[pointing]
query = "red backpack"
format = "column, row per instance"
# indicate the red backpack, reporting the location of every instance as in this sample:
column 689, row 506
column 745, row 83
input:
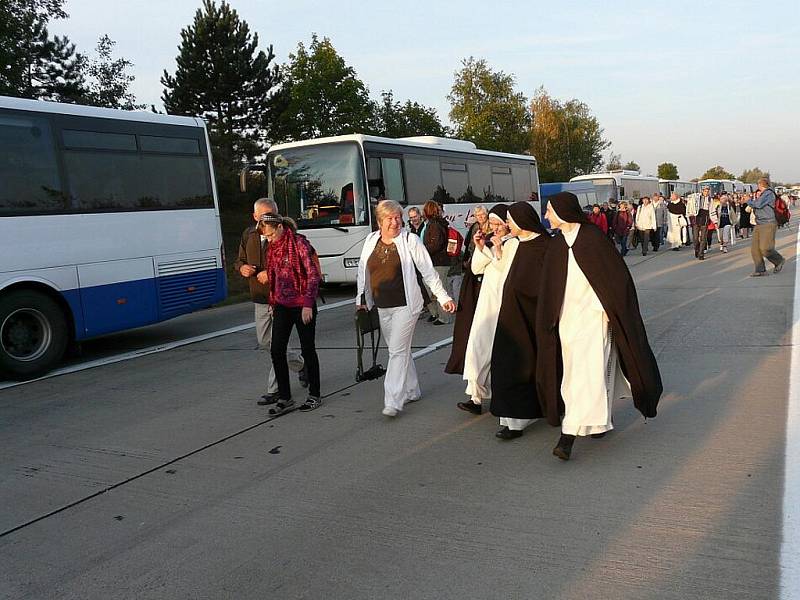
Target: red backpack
column 782, row 214
column 455, row 241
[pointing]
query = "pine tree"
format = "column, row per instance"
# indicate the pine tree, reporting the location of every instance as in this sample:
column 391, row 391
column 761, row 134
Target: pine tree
column 110, row 82
column 223, row 77
column 32, row 63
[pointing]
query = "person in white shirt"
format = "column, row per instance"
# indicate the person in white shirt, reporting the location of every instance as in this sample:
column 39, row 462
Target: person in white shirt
column 645, row 223
column 387, row 278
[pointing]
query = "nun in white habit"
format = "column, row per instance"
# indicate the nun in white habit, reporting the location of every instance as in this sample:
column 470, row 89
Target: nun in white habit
column 587, row 296
column 488, row 260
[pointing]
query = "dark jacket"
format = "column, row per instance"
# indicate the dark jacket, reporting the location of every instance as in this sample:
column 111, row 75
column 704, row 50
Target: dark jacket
column 250, row 253
column 435, row 241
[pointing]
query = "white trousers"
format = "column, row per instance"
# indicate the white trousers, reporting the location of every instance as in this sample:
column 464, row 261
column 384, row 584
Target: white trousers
column 400, row 383
column 515, row 424
column 726, row 235
column 263, row 317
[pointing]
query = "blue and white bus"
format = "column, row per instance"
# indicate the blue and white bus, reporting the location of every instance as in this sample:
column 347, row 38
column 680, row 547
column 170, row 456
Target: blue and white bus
column 723, row 186
column 109, row 220
column 331, row 185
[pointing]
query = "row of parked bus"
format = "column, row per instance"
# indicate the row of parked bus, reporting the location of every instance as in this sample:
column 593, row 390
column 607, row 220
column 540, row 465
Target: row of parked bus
column 109, row 219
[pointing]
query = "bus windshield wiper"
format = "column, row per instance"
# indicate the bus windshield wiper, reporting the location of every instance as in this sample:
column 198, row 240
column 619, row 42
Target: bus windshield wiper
column 337, row 228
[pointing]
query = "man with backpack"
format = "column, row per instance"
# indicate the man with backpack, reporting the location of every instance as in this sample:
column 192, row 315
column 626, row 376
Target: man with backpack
column 763, row 244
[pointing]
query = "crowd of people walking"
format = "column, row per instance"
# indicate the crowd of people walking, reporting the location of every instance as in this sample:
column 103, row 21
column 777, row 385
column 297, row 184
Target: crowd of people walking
column 699, row 221
column 547, row 322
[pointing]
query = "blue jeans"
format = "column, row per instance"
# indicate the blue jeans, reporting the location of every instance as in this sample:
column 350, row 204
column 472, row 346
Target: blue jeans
column 622, row 240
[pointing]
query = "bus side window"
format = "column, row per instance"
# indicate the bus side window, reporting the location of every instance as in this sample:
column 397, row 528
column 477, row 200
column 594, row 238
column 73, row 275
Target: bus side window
column 28, row 167
column 393, row 179
column 455, row 182
column 423, row 177
column 385, row 177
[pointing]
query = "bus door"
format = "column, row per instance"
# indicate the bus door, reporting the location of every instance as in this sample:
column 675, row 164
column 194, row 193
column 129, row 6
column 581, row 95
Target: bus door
column 385, row 180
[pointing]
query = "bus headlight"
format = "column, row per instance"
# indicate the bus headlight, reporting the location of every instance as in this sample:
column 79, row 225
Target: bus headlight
column 351, row 263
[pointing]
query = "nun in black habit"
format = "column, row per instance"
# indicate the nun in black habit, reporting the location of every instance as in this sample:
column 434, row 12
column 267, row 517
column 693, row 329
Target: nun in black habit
column 514, row 397
column 468, row 296
column 591, row 340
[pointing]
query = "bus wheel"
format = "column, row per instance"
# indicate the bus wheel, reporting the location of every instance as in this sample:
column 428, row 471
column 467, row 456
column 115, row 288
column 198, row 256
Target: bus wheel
column 33, row 333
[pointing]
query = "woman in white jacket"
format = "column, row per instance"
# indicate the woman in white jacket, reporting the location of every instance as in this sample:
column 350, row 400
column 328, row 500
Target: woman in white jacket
column 387, row 278
column 645, row 223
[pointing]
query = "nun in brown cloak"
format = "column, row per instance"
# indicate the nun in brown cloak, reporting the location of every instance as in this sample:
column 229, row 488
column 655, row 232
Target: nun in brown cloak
column 468, row 297
column 513, row 380
column 591, row 341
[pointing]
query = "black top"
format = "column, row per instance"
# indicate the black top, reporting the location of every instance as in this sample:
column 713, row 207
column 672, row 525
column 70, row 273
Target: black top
column 386, row 276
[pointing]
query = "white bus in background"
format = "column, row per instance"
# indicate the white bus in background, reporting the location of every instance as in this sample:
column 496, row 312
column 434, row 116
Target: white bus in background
column 682, row 188
column 616, row 186
column 108, row 221
column 330, row 186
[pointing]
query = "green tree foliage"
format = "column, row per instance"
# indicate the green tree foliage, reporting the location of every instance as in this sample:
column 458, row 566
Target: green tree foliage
column 487, row 110
column 34, row 64
column 222, row 76
column 717, row 172
column 109, row 81
column 631, row 166
column 753, row 175
column 393, row 119
column 565, row 138
column 614, row 162
column 321, row 96
column 667, row 171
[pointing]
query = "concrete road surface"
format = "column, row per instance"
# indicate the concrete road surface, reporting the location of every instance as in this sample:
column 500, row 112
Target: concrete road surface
column 160, row 477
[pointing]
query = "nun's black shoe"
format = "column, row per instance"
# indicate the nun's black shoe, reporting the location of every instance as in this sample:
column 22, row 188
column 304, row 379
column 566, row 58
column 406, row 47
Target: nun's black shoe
column 563, row 449
column 470, row 407
column 597, row 436
column 508, row 434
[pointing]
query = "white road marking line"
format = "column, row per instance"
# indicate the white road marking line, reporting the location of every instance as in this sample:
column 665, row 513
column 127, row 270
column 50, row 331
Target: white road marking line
column 790, row 544
column 432, row 348
column 109, row 360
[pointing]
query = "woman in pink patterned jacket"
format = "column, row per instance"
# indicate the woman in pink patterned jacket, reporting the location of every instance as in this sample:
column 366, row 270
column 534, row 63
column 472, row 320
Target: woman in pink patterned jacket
column 292, row 272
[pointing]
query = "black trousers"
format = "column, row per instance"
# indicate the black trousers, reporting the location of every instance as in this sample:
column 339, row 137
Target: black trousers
column 284, row 318
column 700, row 239
column 644, row 238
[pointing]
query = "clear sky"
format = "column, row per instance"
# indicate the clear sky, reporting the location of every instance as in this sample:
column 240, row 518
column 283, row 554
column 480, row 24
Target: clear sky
column 690, row 82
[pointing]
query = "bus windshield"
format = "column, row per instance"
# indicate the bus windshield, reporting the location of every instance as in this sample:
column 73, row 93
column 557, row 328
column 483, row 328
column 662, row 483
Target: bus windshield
column 319, row 186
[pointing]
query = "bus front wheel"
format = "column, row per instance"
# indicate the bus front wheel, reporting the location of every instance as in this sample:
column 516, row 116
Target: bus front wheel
column 33, row 333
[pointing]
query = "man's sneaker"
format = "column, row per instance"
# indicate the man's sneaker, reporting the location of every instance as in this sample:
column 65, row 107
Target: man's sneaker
column 389, row 411
column 311, row 403
column 268, row 399
column 302, row 375
column 779, row 266
column 281, row 407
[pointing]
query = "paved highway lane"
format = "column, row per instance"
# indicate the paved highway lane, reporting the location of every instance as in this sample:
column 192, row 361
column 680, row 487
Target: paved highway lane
column 344, row 503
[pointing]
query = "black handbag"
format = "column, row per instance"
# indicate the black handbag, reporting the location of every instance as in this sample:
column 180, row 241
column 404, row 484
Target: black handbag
column 367, row 324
